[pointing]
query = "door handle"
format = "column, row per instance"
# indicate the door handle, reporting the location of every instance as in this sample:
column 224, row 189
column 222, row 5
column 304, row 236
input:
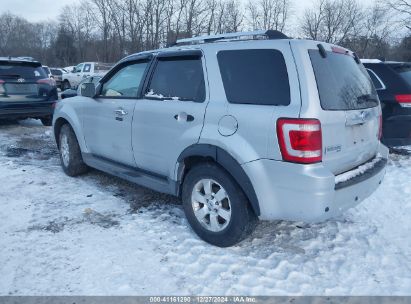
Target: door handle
column 120, row 112
column 183, row 117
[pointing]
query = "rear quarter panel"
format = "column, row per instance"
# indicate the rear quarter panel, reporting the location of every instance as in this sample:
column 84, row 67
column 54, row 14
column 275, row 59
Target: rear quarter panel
column 338, row 153
column 255, row 137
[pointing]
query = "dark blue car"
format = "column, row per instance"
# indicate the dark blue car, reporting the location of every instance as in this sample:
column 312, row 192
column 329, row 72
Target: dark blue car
column 25, row 90
column 392, row 81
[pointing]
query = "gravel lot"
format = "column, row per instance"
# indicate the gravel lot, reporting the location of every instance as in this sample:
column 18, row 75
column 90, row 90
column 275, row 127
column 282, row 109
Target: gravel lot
column 99, row 235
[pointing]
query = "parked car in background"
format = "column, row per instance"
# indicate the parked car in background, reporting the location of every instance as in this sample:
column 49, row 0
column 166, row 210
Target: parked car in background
column 47, row 71
column 84, row 70
column 68, row 69
column 75, row 92
column 392, row 81
column 240, row 126
column 26, row 91
column 57, row 75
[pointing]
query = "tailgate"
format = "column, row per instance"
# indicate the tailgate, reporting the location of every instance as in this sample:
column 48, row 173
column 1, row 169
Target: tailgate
column 344, row 99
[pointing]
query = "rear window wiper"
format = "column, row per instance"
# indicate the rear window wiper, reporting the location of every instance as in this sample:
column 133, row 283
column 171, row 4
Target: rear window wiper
column 365, row 98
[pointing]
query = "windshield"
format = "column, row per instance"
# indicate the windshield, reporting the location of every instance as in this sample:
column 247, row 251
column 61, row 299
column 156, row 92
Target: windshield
column 24, row 70
column 342, row 83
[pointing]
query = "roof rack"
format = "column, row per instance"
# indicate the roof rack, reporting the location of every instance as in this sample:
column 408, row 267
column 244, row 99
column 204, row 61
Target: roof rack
column 256, row 35
column 17, row 58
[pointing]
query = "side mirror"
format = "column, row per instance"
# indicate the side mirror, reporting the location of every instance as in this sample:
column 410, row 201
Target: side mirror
column 88, row 90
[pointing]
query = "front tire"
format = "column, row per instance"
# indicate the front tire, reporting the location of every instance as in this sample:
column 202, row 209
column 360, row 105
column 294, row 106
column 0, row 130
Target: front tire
column 216, row 207
column 70, row 153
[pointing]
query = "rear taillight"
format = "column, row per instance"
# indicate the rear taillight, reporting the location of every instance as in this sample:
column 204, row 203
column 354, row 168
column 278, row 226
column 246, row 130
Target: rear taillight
column 300, row 140
column 404, row 100
column 48, row 81
column 380, row 127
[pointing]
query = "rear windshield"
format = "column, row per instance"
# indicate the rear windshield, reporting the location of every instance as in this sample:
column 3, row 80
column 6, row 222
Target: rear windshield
column 24, row 70
column 342, row 83
column 56, row 72
column 404, row 71
column 255, row 77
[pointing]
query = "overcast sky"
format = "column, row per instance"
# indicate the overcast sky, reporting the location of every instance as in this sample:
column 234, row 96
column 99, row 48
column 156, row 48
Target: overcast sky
column 40, row 10
column 35, row 10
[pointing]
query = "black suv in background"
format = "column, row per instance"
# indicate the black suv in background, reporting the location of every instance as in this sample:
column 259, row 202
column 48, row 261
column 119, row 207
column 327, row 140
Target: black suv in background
column 393, row 83
column 25, row 90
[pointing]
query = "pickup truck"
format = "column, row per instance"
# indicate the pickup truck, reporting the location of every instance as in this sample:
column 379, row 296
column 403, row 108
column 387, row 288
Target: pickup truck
column 84, row 70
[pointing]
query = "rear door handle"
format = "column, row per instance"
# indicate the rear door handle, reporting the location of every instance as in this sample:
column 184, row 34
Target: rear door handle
column 183, row 117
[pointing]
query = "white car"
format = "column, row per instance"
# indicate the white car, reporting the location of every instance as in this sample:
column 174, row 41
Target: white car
column 239, row 126
column 47, row 71
column 84, row 70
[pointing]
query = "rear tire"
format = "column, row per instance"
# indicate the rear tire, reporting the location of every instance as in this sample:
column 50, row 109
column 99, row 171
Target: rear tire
column 47, row 121
column 221, row 216
column 70, row 153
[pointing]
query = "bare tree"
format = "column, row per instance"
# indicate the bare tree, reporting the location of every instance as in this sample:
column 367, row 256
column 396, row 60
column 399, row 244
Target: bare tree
column 332, row 21
column 268, row 14
column 403, row 7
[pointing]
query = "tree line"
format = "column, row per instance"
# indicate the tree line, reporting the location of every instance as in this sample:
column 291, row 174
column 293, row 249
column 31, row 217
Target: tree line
column 107, row 30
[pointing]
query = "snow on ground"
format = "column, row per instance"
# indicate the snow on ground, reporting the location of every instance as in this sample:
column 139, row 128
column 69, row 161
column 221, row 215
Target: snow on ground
column 99, row 235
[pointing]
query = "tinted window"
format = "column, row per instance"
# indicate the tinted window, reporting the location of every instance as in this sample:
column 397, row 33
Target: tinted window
column 21, row 70
column 179, row 78
column 342, row 83
column 56, row 72
column 375, row 81
column 404, row 71
column 87, row 68
column 125, row 82
column 255, row 77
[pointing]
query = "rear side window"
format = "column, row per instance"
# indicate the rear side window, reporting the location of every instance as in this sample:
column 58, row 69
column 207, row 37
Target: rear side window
column 342, row 83
column 255, row 77
column 377, row 83
column 18, row 70
column 179, row 78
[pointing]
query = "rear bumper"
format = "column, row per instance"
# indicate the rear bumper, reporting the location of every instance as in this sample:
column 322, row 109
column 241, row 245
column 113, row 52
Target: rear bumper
column 26, row 110
column 309, row 193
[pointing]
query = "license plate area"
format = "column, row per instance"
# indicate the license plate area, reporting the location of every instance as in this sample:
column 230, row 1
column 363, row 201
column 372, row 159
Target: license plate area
column 21, row 88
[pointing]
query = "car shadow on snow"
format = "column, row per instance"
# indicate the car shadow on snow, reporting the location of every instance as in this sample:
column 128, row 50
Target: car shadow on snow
column 90, row 216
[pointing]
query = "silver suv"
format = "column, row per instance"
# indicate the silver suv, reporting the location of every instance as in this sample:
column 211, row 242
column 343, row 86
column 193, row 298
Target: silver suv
column 241, row 126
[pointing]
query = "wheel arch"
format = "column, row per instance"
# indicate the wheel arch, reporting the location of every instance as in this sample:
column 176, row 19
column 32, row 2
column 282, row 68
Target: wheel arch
column 58, row 124
column 205, row 152
column 62, row 119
